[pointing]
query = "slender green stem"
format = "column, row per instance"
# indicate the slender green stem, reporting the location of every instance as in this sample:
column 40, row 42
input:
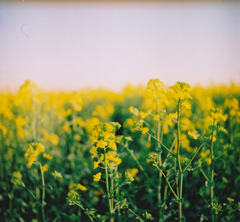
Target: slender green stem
column 118, row 208
column 199, row 148
column 159, row 138
column 112, row 189
column 206, row 177
column 212, row 178
column 107, row 187
column 43, row 193
column 84, row 210
column 137, row 217
column 165, row 195
column 180, row 172
column 31, row 193
column 160, row 143
column 139, row 165
column 167, row 182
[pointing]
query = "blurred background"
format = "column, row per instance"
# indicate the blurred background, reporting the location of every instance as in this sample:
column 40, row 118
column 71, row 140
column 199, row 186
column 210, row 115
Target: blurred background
column 69, row 45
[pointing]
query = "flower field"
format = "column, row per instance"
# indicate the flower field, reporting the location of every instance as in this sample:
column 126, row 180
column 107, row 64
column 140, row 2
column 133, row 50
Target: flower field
column 148, row 153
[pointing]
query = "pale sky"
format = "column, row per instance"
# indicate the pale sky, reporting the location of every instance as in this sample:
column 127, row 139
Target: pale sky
column 71, row 46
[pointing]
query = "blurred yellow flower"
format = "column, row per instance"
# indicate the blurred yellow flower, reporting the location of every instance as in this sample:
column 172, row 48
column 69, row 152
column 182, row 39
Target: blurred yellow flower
column 97, row 177
column 47, row 156
column 53, row 138
column 45, row 168
column 81, row 187
column 57, row 174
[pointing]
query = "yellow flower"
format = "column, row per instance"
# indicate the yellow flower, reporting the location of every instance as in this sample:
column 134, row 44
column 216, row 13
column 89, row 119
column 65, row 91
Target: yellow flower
column 109, row 127
column 93, row 150
column 143, row 115
column 81, row 187
column 47, row 156
column 40, row 148
column 95, row 164
column 132, row 171
column 117, row 160
column 97, row 177
column 144, row 130
column 181, row 90
column 101, row 144
column 193, row 134
column 27, row 152
column 205, row 154
column 45, row 168
column 54, row 139
column 208, row 160
column 79, row 121
column 57, row 174
column 112, row 145
column 77, row 137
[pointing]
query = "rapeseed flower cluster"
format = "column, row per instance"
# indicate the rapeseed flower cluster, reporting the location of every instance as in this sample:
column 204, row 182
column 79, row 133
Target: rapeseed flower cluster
column 104, row 148
column 34, row 149
column 180, row 91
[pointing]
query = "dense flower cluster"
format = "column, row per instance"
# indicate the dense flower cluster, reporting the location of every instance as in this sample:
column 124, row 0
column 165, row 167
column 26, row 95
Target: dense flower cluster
column 104, row 148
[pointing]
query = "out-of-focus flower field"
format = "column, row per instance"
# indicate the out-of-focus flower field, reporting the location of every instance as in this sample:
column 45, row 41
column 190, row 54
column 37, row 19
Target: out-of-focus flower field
column 148, row 153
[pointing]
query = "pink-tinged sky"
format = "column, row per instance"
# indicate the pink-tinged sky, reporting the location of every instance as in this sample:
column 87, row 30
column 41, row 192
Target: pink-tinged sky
column 71, row 46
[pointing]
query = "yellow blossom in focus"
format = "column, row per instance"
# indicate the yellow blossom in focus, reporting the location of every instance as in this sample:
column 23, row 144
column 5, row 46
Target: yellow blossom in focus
column 181, row 91
column 155, row 89
column 97, row 177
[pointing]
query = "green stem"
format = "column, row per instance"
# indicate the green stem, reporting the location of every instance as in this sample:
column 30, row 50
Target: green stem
column 139, row 165
column 167, row 182
column 84, row 210
column 160, row 143
column 107, row 187
column 112, row 189
column 43, row 193
column 212, row 178
column 180, row 172
column 118, row 208
column 137, row 217
column 31, row 193
column 159, row 138
column 193, row 157
column 206, row 177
